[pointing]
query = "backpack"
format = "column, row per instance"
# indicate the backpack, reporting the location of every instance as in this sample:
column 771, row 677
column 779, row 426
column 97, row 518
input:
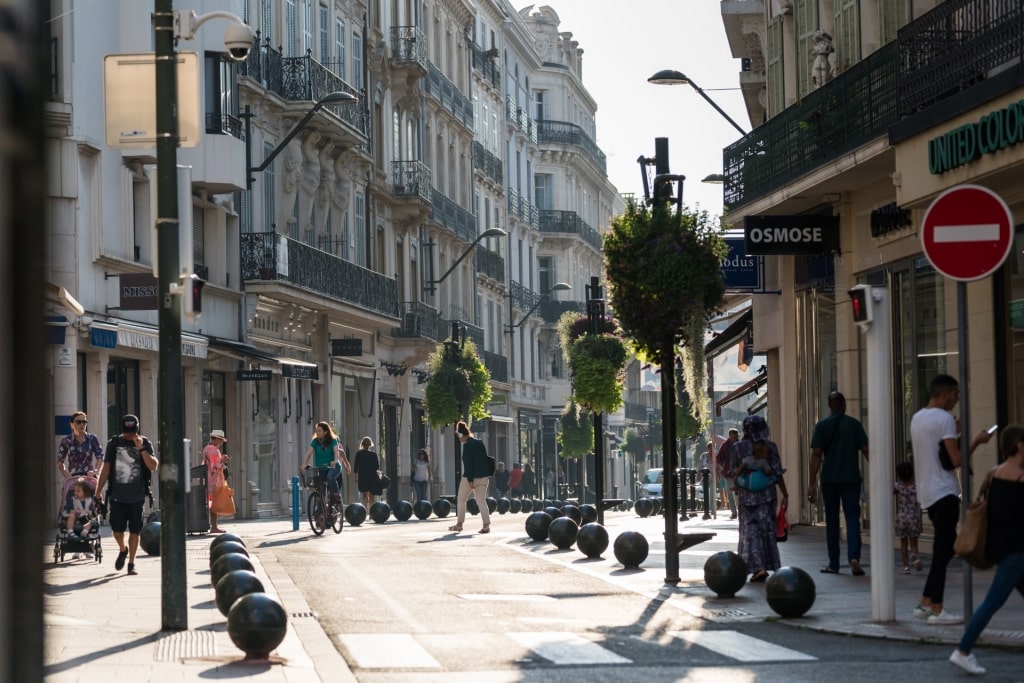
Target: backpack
column 492, row 465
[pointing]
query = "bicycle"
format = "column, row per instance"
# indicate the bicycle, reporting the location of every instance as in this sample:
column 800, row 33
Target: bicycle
column 321, row 513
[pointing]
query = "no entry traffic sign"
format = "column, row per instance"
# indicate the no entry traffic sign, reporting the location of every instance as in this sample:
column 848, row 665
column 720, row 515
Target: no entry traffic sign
column 967, row 232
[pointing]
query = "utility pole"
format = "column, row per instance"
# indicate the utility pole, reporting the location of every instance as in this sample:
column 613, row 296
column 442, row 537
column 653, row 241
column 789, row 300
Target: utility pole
column 595, row 313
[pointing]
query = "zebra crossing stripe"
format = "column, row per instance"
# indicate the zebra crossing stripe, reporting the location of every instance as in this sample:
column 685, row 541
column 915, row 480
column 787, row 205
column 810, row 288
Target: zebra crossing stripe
column 387, row 651
column 563, row 647
column 740, row 647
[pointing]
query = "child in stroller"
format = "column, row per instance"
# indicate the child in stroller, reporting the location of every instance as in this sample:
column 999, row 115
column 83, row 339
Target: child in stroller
column 78, row 521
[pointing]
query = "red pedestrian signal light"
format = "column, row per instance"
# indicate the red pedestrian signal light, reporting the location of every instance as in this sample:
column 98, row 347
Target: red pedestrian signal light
column 192, row 295
column 861, row 302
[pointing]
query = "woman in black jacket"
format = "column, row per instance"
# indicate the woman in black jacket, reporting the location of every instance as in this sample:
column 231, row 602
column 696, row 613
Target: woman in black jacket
column 476, row 475
column 367, row 471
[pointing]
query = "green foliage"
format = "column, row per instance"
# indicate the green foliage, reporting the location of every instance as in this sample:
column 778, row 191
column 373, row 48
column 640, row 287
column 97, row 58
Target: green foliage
column 458, row 388
column 633, row 443
column 691, row 377
column 597, row 362
column 686, row 424
column 576, row 435
column 663, row 272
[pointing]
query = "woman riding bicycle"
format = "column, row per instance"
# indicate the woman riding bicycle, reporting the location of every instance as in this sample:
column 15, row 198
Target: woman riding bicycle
column 329, row 455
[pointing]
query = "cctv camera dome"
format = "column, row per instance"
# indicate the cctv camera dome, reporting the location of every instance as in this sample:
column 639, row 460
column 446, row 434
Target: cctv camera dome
column 238, row 39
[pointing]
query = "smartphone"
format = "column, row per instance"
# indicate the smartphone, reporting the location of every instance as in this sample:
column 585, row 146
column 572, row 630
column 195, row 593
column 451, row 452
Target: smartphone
column 992, row 429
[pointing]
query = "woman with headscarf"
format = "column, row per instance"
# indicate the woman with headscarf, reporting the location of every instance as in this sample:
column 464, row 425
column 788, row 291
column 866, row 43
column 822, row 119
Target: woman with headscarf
column 758, row 499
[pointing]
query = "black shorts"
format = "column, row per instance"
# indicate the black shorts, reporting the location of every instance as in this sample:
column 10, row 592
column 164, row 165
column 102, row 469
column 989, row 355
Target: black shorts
column 125, row 516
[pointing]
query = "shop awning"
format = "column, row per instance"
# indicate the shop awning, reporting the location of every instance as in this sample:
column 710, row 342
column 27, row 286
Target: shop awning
column 741, row 391
column 730, row 336
column 236, row 349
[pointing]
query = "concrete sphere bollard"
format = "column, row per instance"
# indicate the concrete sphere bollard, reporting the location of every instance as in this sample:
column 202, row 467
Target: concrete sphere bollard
column 402, row 511
column 504, row 505
column 153, row 516
column 644, row 507
column 355, row 514
column 592, row 539
column 553, row 512
column 149, row 538
column 224, row 538
column 558, row 503
column 631, row 548
column 547, row 503
column 573, row 513
column 234, row 585
column 525, row 505
column 562, row 532
column 442, row 508
column 658, row 503
column 422, row 509
column 221, row 549
column 472, row 507
column 725, row 572
column 492, row 504
column 790, row 592
column 229, row 563
column 257, row 624
column 537, row 525
column 380, row 511
column 589, row 513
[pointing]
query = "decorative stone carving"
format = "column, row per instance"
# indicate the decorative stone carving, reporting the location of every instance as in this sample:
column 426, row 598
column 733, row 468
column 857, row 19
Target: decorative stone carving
column 326, row 190
column 292, row 157
column 783, row 6
column 309, row 179
column 822, row 48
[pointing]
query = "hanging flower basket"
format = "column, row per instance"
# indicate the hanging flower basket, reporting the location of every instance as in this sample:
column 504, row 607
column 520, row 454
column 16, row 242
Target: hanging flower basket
column 597, row 362
column 459, row 386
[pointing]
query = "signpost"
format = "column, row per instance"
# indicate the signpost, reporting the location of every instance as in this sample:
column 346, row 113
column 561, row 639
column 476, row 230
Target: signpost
column 966, row 234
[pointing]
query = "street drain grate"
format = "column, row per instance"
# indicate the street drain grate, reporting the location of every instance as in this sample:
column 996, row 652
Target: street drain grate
column 175, row 647
column 303, row 615
column 731, row 614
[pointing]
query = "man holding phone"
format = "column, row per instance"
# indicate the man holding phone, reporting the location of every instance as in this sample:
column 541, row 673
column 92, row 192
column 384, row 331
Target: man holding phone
column 123, row 461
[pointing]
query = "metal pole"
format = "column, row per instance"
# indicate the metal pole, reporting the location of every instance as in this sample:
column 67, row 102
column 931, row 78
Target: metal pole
column 669, row 460
column 880, row 409
column 456, row 356
column 595, row 311
column 965, row 432
column 170, row 432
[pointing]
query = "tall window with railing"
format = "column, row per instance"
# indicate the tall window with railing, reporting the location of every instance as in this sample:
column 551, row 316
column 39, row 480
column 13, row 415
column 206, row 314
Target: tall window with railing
column 325, row 35
column 339, row 48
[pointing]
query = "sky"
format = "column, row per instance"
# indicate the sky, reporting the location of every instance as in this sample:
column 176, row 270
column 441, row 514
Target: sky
column 626, row 43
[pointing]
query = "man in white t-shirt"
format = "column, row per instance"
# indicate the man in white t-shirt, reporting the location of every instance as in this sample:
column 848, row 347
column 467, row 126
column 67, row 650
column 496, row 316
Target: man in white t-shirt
column 938, row 489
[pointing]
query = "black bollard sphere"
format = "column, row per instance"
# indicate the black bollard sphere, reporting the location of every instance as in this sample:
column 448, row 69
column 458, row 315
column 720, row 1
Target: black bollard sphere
column 631, row 548
column 562, row 532
column 588, row 512
column 224, row 548
column 657, row 503
column 525, row 505
column 504, row 505
column 558, row 504
column 573, row 513
column 442, row 508
column 790, row 592
column 355, row 514
column 402, row 511
column 538, row 504
column 149, row 538
column 644, row 507
column 234, row 585
column 725, row 572
column 472, row 507
column 547, row 503
column 592, row 539
column 380, row 511
column 224, row 538
column 553, row 512
column 625, row 505
column 514, row 505
column 229, row 563
column 153, row 516
column 492, row 504
column 257, row 624
column 537, row 525
column 422, row 509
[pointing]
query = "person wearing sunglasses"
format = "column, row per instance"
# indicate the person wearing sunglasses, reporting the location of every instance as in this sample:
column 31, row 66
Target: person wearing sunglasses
column 79, row 452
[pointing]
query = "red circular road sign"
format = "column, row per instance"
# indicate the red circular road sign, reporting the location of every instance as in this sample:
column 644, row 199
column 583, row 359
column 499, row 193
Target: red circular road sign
column 967, row 232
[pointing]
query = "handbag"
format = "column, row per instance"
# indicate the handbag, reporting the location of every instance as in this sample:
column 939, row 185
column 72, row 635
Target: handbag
column 384, row 482
column 970, row 542
column 781, row 526
column 223, row 502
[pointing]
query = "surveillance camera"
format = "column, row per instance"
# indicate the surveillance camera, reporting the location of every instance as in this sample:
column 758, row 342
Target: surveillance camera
column 238, row 39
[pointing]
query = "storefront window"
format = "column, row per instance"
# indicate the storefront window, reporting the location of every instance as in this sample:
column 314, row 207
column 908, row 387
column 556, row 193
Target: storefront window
column 211, row 409
column 1013, row 314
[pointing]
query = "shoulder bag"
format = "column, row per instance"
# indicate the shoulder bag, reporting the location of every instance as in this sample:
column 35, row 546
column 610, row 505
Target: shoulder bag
column 970, row 542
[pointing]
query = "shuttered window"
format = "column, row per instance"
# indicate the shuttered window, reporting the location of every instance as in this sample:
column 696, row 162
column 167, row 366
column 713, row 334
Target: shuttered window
column 291, row 29
column 892, row 14
column 805, row 16
column 847, row 36
column 776, row 78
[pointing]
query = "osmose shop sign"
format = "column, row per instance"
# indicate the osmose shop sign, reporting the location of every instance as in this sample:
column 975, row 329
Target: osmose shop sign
column 779, row 235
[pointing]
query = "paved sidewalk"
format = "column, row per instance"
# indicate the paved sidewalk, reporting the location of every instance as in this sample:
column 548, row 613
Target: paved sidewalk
column 100, row 620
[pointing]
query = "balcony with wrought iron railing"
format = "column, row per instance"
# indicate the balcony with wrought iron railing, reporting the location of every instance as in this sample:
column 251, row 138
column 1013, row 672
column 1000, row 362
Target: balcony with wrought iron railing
column 496, row 364
column 522, row 297
column 447, row 213
column 223, row 124
column 552, row 310
column 409, row 47
column 301, row 79
column 490, row 264
column 486, row 62
column 487, row 163
column 564, row 133
column 520, row 118
column 316, row 271
column 411, row 179
column 447, row 93
column 520, row 207
column 569, row 222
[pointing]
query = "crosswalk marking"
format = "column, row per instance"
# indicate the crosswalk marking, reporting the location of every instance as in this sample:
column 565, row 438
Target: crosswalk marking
column 387, row 651
column 562, row 647
column 738, row 646
column 499, row 597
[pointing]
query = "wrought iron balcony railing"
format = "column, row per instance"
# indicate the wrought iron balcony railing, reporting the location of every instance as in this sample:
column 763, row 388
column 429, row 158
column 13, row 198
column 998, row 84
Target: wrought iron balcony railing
column 486, row 162
column 489, row 263
column 569, row 222
column 486, row 62
column 447, row 213
column 411, row 179
column 522, row 297
column 444, row 91
column 563, row 133
column 520, row 117
column 520, row 207
column 551, row 311
column 496, row 364
column 224, row 124
column 317, row 271
column 409, row 46
column 421, row 320
column 302, row 79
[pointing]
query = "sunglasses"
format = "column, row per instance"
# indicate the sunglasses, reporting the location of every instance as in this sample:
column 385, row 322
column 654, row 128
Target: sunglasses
column 81, row 422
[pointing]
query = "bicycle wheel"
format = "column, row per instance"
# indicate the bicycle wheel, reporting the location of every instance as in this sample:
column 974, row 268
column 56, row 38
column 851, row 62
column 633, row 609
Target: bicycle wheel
column 338, row 510
column 317, row 513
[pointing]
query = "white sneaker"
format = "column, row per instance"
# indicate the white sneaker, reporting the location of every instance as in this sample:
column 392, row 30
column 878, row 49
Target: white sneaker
column 76, row 556
column 944, row 618
column 89, row 556
column 922, row 612
column 966, row 662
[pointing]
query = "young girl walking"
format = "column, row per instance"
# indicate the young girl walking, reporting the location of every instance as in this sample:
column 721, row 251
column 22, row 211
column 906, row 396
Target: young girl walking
column 908, row 516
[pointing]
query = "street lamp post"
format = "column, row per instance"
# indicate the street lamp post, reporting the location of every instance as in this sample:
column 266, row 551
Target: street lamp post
column 511, row 329
column 429, row 287
column 673, row 77
column 453, row 350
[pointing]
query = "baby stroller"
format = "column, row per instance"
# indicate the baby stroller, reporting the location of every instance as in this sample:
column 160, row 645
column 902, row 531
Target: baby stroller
column 78, row 540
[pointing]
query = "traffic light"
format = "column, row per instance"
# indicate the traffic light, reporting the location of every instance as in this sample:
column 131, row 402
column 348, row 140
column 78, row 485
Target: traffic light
column 861, row 301
column 192, row 296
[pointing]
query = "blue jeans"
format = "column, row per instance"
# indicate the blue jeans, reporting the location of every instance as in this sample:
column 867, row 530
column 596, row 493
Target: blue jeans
column 849, row 495
column 1009, row 575
column 333, row 475
column 420, row 487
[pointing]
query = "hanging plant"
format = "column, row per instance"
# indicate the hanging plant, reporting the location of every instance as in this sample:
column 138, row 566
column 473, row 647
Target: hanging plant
column 576, row 434
column 663, row 273
column 597, row 362
column 693, row 374
column 459, row 387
